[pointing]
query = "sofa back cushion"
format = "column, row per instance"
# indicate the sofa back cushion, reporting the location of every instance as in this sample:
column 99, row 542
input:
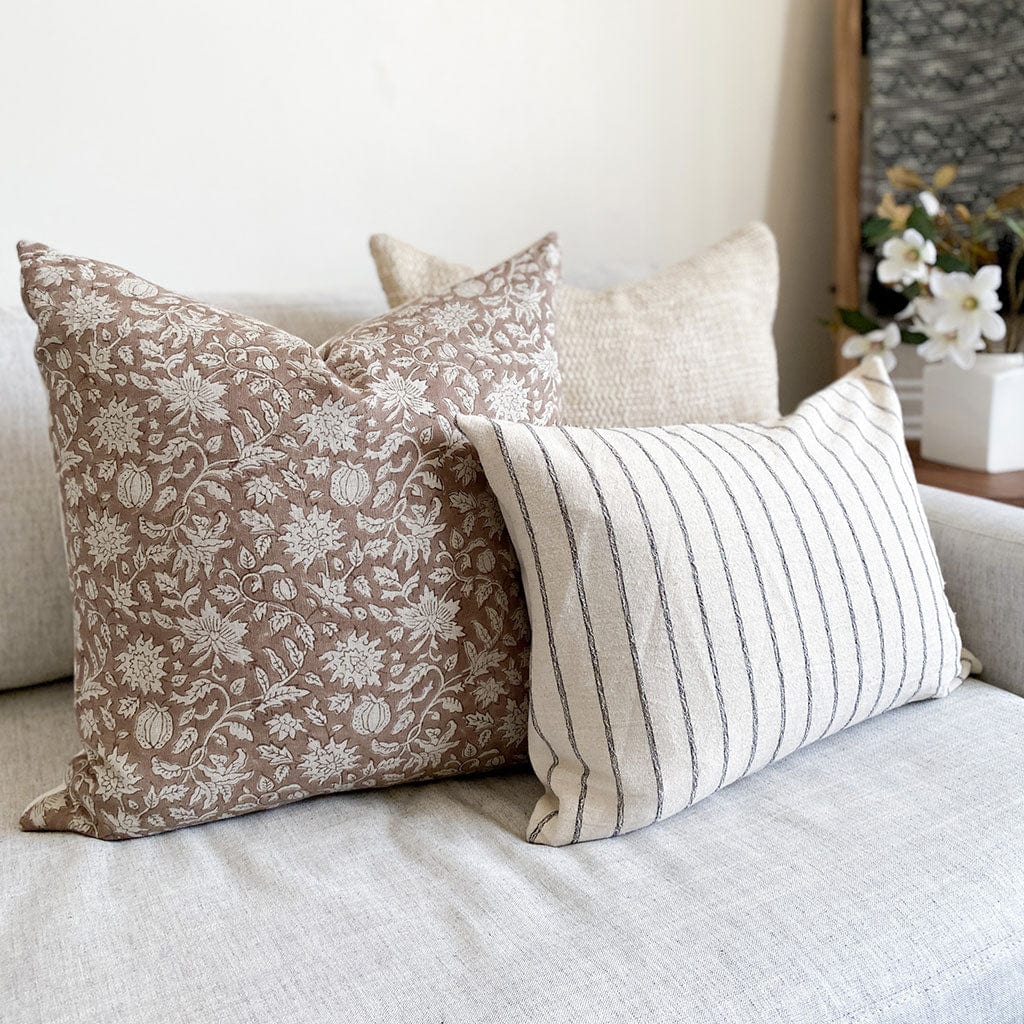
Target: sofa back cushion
column 692, row 344
column 707, row 599
column 289, row 576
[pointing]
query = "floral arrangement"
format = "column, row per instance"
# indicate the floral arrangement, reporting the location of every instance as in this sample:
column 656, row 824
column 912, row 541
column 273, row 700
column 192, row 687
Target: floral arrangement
column 940, row 274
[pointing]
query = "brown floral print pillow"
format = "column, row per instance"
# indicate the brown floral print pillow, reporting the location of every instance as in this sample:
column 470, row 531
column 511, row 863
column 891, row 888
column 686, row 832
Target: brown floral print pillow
column 289, row 575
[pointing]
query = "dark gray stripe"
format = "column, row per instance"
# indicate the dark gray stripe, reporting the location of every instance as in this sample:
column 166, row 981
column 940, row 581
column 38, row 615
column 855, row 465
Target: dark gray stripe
column 666, row 613
column 789, row 584
column 860, row 554
column 552, row 647
column 765, row 604
column 880, row 490
column 588, row 626
column 878, row 538
column 760, row 432
column 634, row 652
column 532, row 837
column 903, row 458
column 702, row 607
column 822, row 604
column 730, row 586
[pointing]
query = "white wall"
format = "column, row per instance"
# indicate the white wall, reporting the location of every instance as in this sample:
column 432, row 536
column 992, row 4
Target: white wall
column 241, row 145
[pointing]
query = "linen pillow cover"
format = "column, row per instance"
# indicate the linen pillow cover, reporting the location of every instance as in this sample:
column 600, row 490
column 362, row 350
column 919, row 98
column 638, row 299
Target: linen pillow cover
column 707, row 599
column 289, row 576
column 691, row 344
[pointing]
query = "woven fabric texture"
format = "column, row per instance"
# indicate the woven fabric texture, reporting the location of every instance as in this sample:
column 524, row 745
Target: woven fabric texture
column 873, row 878
column 707, row 599
column 692, row 344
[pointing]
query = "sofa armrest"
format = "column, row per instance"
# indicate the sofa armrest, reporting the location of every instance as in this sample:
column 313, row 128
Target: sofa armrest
column 981, row 550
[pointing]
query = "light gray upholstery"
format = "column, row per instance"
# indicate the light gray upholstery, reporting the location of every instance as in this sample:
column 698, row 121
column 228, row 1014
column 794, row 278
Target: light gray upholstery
column 35, row 605
column 874, row 877
column 981, row 550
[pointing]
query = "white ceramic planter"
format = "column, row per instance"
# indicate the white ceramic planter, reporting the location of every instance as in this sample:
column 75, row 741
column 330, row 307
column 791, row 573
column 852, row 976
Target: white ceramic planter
column 975, row 418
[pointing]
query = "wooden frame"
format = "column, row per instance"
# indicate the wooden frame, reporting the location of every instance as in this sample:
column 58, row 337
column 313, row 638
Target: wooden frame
column 846, row 116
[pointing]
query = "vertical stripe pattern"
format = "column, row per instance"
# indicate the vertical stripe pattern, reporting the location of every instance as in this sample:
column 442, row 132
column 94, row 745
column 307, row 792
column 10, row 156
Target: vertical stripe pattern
column 707, row 599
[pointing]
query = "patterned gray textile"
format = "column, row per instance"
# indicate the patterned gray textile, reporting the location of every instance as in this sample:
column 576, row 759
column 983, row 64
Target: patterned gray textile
column 945, row 86
column 35, row 605
column 981, row 550
column 874, row 877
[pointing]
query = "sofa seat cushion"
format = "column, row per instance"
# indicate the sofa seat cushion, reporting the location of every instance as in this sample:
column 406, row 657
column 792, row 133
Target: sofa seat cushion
column 874, row 877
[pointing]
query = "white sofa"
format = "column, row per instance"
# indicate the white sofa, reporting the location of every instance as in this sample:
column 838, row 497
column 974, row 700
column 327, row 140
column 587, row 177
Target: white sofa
column 877, row 876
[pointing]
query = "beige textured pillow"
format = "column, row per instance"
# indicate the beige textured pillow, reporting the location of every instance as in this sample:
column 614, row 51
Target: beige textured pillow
column 289, row 575
column 707, row 599
column 692, row 344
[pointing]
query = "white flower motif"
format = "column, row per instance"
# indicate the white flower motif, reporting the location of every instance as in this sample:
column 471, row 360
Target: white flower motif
column 332, row 427
column 205, row 538
column 52, row 275
column 967, row 305
column 453, row 317
column 356, row 661
column 262, row 490
column 509, row 399
column 325, row 761
column 906, row 259
column 85, row 311
column 141, row 665
column 402, row 394
column 106, row 538
column 136, row 288
column 882, row 342
column 193, row 395
column 116, row 776
column 216, row 637
column 284, row 726
column 311, row 535
column 431, row 619
column 333, row 593
column 116, row 427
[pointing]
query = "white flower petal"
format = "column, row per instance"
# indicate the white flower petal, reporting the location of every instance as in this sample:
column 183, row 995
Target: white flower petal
column 987, row 278
column 855, row 347
column 890, row 336
column 889, row 271
column 913, row 238
column 993, row 326
column 888, row 361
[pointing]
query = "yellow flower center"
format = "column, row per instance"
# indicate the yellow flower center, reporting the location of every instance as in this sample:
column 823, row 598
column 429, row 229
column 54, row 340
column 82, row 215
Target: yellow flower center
column 913, row 255
column 970, row 302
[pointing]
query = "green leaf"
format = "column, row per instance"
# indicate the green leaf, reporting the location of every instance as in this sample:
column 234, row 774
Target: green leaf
column 912, row 337
column 922, row 222
column 949, row 263
column 857, row 321
column 876, row 230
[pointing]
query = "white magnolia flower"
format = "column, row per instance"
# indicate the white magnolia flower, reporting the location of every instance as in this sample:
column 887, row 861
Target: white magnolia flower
column 967, row 305
column 882, row 341
column 928, row 201
column 141, row 665
column 906, row 259
column 332, row 427
column 432, row 618
column 106, row 538
column 193, row 395
column 949, row 346
column 323, row 762
column 509, row 399
column 311, row 535
column 356, row 661
column 214, row 636
column 116, row 427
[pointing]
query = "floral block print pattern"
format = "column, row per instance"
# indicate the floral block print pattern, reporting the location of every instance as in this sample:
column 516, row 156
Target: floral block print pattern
column 289, row 575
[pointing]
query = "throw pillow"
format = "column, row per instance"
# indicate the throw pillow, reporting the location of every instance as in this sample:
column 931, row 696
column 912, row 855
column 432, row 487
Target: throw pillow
column 693, row 344
column 707, row 599
column 289, row 576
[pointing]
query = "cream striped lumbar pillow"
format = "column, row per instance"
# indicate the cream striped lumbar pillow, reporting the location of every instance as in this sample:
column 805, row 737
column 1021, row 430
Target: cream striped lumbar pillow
column 708, row 599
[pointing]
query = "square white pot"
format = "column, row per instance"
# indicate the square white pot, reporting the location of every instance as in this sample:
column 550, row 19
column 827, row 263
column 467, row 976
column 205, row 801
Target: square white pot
column 975, row 418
